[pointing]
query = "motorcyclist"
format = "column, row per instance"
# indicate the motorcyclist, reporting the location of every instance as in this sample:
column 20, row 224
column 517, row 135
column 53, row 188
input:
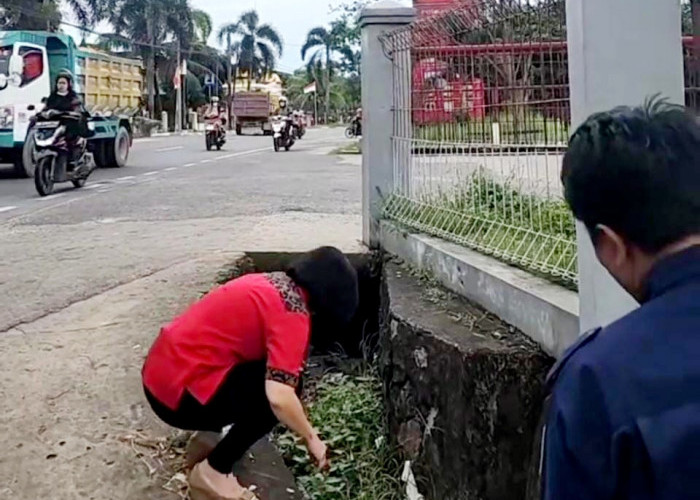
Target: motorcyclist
column 213, row 112
column 282, row 110
column 300, row 121
column 63, row 98
column 357, row 122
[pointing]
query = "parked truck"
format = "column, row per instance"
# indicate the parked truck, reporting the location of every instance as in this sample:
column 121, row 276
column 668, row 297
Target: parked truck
column 109, row 86
column 253, row 109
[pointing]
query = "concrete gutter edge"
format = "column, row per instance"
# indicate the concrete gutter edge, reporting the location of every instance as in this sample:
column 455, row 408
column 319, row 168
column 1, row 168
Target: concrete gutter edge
column 545, row 312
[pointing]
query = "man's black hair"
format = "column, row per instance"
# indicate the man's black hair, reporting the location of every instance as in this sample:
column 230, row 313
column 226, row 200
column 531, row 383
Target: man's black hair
column 331, row 282
column 637, row 171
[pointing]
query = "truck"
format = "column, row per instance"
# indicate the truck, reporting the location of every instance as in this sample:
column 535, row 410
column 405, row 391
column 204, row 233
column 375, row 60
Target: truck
column 253, row 109
column 109, row 86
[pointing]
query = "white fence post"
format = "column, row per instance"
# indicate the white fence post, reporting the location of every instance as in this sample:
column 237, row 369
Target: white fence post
column 377, row 99
column 620, row 53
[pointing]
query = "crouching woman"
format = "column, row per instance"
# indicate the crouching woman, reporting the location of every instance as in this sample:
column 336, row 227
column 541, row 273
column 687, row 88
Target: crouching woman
column 236, row 356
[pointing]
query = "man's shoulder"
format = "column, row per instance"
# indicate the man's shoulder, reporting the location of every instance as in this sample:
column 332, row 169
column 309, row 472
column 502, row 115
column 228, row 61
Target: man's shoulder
column 602, row 348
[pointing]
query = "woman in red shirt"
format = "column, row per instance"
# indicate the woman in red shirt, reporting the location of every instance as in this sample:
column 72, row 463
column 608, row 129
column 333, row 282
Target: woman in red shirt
column 236, row 356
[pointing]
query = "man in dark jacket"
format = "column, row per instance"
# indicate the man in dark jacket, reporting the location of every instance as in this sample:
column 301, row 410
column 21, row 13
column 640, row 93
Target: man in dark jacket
column 624, row 421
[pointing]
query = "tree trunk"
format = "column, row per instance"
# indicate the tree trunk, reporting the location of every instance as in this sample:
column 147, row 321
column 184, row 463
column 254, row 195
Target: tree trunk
column 228, row 82
column 150, row 70
column 328, row 83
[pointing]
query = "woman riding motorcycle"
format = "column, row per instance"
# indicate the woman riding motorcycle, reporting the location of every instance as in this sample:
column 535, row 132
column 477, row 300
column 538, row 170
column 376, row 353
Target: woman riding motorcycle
column 64, row 99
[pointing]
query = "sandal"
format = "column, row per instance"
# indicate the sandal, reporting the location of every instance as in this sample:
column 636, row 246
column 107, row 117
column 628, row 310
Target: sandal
column 200, row 489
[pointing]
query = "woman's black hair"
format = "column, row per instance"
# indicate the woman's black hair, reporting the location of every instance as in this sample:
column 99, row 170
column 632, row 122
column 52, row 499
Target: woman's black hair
column 331, row 282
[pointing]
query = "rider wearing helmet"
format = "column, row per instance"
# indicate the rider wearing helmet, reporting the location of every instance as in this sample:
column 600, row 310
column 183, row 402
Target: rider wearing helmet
column 213, row 112
column 63, row 97
column 282, row 106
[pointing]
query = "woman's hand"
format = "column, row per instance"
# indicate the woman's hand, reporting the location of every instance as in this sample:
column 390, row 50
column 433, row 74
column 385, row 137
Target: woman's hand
column 318, row 451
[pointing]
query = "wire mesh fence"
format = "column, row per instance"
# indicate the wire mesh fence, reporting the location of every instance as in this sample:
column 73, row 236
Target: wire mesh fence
column 481, row 120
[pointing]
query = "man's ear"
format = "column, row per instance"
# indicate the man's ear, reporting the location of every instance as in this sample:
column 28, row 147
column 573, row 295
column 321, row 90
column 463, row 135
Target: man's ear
column 610, row 247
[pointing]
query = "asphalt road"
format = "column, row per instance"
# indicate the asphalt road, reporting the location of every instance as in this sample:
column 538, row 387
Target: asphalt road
column 173, row 202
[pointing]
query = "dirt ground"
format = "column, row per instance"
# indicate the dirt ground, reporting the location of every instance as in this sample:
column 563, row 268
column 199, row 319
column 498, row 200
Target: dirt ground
column 72, row 413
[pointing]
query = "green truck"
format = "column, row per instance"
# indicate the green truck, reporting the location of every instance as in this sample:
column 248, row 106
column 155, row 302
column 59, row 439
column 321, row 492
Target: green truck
column 109, row 86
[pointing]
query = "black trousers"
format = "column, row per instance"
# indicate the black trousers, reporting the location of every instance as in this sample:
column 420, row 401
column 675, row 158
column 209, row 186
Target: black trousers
column 240, row 401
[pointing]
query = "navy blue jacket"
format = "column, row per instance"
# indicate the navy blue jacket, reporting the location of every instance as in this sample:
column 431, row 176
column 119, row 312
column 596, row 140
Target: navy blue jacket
column 624, row 421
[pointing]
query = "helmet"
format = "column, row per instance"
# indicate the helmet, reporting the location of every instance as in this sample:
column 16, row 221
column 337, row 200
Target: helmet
column 215, row 99
column 283, row 102
column 66, row 73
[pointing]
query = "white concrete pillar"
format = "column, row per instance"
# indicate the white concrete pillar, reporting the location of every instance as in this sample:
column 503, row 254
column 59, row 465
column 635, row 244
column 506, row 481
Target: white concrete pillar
column 621, row 52
column 377, row 99
column 164, row 122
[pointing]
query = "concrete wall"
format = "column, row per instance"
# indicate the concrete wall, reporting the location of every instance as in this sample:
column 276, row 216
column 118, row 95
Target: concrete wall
column 545, row 312
column 462, row 391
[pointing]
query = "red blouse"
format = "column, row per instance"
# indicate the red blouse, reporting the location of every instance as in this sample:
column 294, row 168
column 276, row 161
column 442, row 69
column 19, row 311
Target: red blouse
column 252, row 318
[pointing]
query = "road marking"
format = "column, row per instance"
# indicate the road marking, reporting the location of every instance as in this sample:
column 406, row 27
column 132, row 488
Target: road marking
column 7, row 209
column 243, row 153
column 127, row 178
column 151, row 173
column 170, row 169
column 206, row 161
column 51, row 197
column 93, row 186
column 190, row 165
column 173, row 148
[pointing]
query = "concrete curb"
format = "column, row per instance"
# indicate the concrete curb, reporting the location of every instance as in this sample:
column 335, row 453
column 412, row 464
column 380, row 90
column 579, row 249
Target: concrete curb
column 547, row 313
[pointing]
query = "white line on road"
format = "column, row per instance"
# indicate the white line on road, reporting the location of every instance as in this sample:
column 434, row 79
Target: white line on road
column 170, row 169
column 151, row 173
column 7, row 209
column 243, row 153
column 190, row 164
column 51, row 197
column 93, row 186
column 206, row 161
column 127, row 178
column 172, row 148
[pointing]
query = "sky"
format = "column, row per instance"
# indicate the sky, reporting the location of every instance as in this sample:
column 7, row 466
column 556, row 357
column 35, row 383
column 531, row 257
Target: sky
column 292, row 18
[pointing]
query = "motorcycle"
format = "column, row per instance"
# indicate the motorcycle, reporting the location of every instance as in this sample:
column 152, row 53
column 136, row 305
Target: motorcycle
column 214, row 134
column 283, row 135
column 354, row 130
column 57, row 160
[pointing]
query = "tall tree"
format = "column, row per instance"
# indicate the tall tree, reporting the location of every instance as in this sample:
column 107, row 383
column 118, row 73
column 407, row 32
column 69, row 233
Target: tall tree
column 326, row 42
column 146, row 26
column 259, row 44
column 46, row 14
column 201, row 26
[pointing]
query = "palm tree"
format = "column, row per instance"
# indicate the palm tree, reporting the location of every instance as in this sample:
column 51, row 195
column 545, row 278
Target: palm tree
column 146, row 26
column 259, row 44
column 201, row 26
column 326, row 42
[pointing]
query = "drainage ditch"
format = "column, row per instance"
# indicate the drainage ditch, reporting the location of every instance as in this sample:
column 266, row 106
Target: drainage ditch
column 434, row 380
column 420, row 376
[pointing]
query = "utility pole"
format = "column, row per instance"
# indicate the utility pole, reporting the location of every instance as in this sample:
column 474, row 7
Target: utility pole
column 178, row 92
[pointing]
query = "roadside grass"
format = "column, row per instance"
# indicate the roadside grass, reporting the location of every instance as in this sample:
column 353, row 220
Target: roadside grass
column 348, row 412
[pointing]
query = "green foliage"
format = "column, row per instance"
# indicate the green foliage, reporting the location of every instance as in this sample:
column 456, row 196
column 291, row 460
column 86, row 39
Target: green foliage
column 531, row 129
column 536, row 234
column 256, row 46
column 348, row 412
column 33, row 15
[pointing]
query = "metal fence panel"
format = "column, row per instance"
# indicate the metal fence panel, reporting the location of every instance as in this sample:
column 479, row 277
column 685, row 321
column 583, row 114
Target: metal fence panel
column 481, row 119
